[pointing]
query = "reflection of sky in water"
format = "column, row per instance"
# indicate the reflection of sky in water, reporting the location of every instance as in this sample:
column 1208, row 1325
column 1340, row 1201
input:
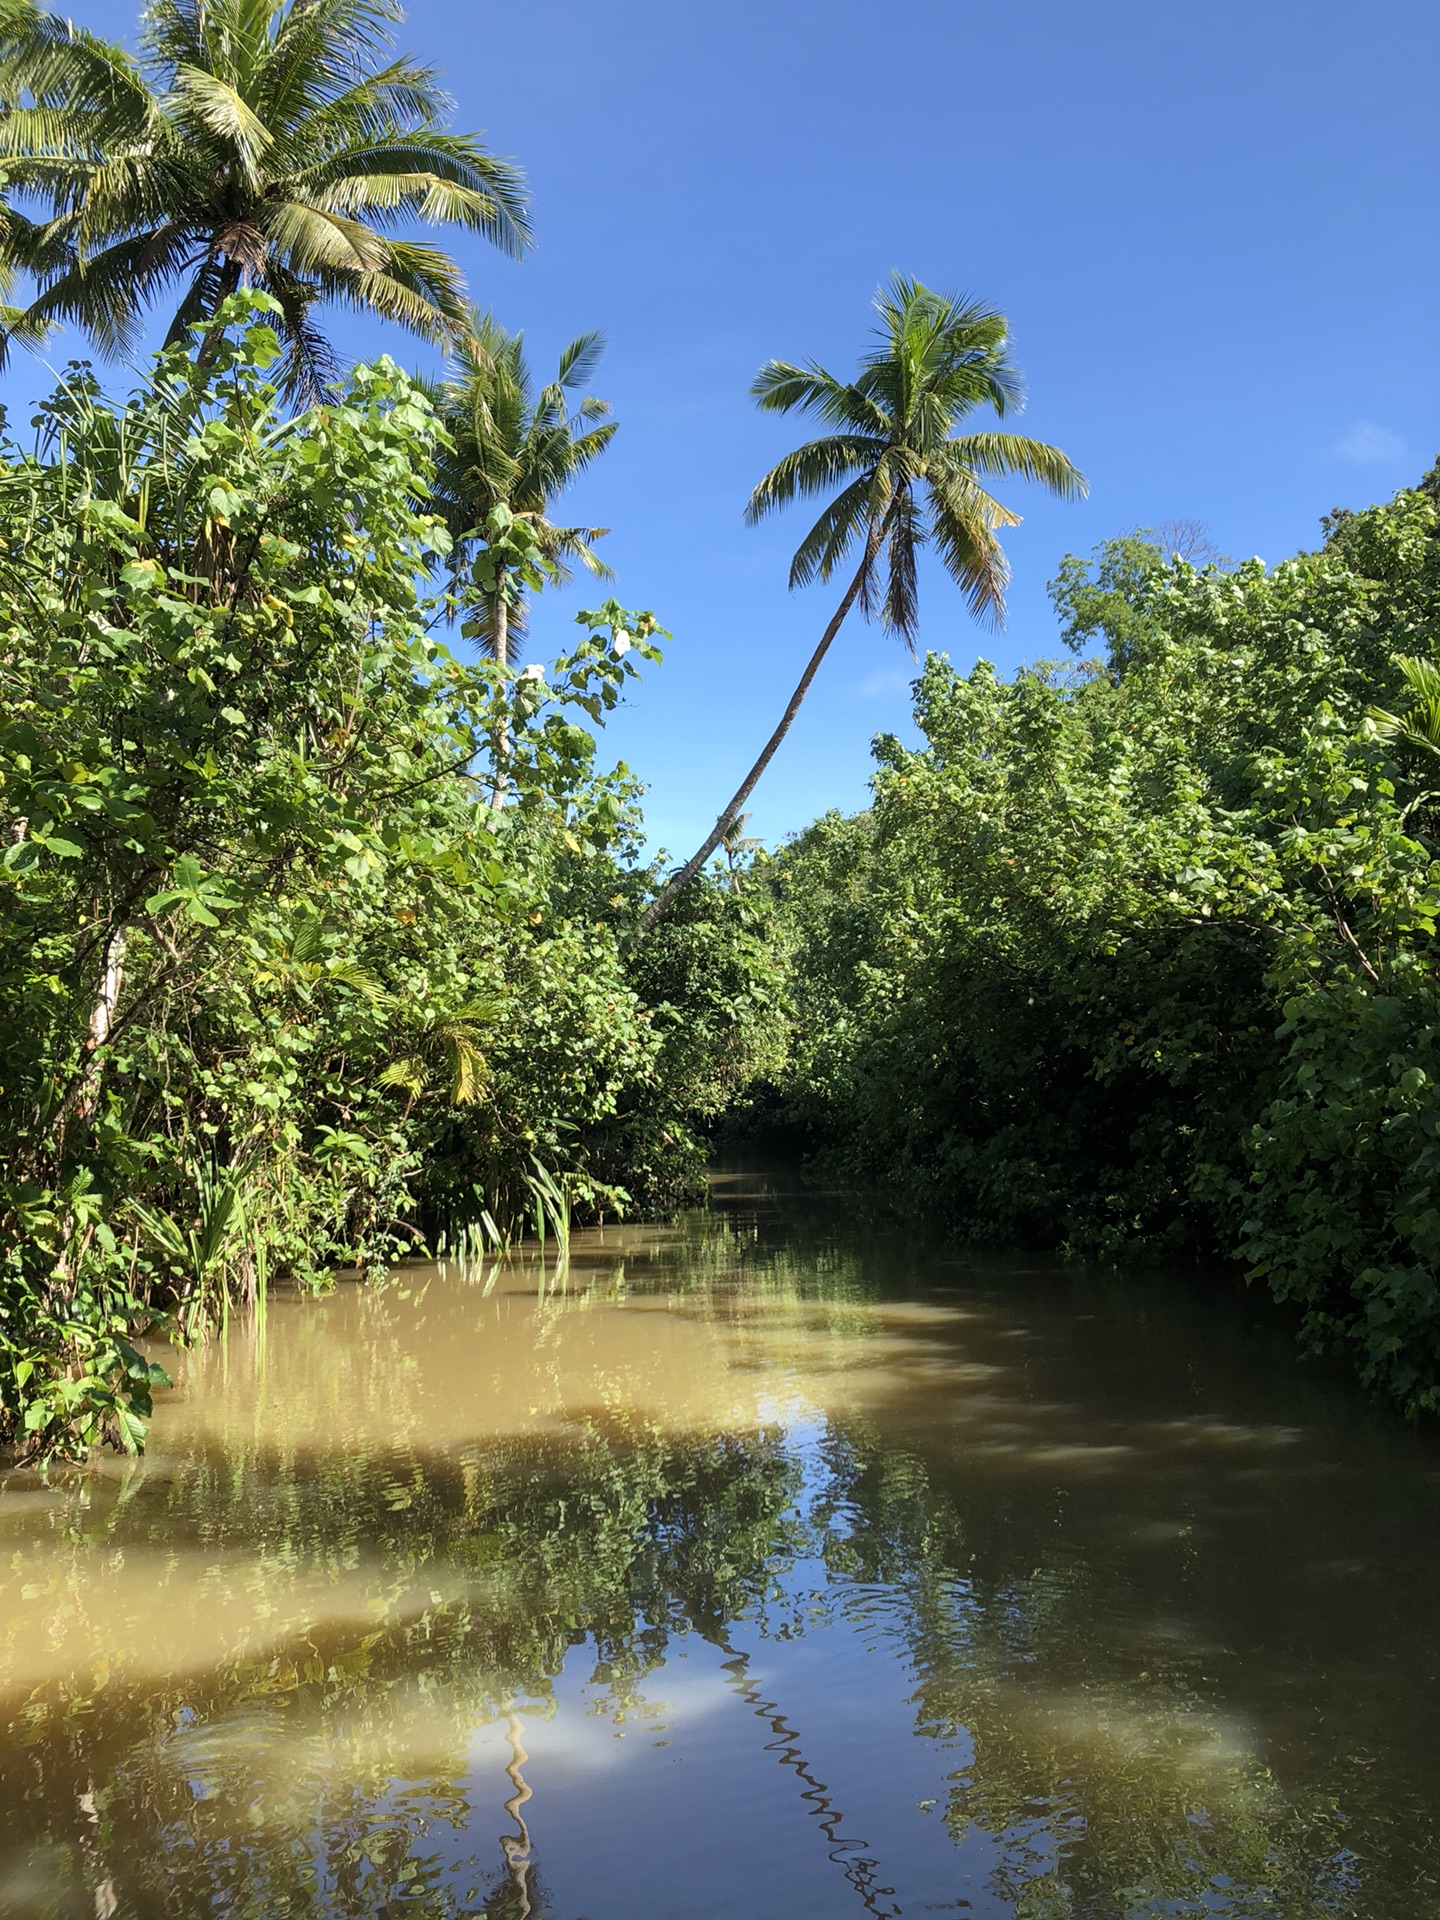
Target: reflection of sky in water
column 608, row 1801
column 813, row 1789
column 763, row 1568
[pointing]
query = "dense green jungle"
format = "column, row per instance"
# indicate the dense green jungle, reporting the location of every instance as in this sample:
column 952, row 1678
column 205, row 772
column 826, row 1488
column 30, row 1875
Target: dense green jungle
column 329, row 936
column 284, row 990
column 1135, row 957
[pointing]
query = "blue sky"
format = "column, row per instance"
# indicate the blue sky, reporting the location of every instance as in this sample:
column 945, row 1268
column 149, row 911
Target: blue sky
column 1211, row 225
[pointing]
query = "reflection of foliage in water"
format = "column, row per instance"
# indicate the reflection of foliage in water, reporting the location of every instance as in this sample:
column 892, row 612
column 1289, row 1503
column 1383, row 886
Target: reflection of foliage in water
column 1113, row 1794
column 280, row 1784
column 328, row 1777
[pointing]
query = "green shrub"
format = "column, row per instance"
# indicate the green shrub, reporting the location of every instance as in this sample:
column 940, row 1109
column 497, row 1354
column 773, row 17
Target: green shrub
column 1136, row 956
column 280, row 990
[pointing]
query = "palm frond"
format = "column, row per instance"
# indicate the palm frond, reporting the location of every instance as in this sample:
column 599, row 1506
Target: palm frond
column 574, row 451
column 52, row 63
column 846, row 518
column 482, row 625
column 491, row 191
column 406, row 1073
column 1418, row 728
column 926, row 339
column 311, row 239
column 900, row 607
column 220, row 108
column 781, row 387
column 964, row 520
column 580, row 358
column 450, row 1041
column 105, row 294
column 811, row 469
column 419, row 288
column 395, row 298
column 257, row 129
column 430, row 176
column 199, row 301
column 1006, row 454
column 323, row 114
column 311, row 367
column 560, row 544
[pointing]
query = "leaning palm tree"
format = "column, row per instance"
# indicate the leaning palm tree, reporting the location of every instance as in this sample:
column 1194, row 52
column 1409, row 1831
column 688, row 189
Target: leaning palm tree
column 908, row 479
column 514, row 448
column 273, row 143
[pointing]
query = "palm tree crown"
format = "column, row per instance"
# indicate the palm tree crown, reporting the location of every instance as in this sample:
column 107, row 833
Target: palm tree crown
column 277, row 143
column 908, row 479
column 516, row 448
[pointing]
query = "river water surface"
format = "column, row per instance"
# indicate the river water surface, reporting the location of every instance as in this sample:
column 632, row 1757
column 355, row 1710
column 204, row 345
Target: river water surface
column 765, row 1565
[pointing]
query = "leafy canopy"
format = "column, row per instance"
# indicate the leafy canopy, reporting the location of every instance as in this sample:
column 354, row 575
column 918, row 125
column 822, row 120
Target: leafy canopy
column 1137, row 955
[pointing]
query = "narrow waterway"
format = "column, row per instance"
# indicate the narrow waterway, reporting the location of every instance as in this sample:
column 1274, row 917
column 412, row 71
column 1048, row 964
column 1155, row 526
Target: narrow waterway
column 767, row 1565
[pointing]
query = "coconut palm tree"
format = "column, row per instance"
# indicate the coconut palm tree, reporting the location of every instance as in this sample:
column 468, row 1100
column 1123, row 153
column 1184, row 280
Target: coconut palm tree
column 515, row 448
column 273, row 143
column 908, row 478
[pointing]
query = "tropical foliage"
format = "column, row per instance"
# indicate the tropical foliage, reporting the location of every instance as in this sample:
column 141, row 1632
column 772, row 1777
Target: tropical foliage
column 281, row 992
column 318, row 944
column 1136, row 955
column 277, row 144
column 508, row 452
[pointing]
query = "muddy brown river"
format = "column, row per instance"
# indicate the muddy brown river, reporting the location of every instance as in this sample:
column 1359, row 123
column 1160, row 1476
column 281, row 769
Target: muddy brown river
column 772, row 1565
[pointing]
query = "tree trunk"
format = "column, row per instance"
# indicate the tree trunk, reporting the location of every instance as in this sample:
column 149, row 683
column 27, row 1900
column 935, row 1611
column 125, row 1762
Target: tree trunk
column 678, row 883
column 102, row 1018
column 502, row 655
column 229, row 283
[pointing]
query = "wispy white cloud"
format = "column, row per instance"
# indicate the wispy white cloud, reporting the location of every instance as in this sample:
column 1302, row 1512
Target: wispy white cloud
column 1370, row 445
column 885, row 680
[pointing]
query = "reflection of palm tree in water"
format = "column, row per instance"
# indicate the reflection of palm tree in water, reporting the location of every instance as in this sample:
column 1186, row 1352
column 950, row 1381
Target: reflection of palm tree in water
column 516, row 1846
column 107, row 1903
column 859, row 1868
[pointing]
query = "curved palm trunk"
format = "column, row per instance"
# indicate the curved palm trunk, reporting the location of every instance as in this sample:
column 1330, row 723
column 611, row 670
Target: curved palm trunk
column 678, row 882
column 502, row 655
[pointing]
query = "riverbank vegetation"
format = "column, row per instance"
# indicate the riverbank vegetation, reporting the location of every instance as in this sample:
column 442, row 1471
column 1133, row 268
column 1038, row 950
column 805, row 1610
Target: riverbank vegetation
column 326, row 934
column 312, row 929
column 283, row 990
column 1135, row 956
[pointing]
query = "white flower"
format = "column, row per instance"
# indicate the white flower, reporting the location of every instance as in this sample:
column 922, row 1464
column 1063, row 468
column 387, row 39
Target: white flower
column 532, row 673
column 623, row 642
